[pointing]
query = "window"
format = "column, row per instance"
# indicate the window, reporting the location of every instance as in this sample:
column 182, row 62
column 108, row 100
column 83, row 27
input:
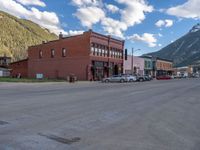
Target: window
column 106, row 53
column 52, row 53
column 63, row 52
column 99, row 51
column 110, row 53
column 40, row 54
column 103, row 52
column 96, row 51
column 92, row 50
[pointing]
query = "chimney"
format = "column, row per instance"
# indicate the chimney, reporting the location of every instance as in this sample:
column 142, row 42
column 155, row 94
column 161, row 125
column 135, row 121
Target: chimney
column 60, row 36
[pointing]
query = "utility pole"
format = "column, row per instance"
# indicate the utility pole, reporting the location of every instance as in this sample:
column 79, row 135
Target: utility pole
column 132, row 61
column 132, row 55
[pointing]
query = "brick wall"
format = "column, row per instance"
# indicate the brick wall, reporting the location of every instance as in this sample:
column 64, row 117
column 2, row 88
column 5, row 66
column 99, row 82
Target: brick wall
column 20, row 67
column 78, row 56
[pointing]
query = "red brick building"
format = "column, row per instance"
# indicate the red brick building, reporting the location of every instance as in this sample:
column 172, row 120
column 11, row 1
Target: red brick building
column 89, row 56
column 19, row 68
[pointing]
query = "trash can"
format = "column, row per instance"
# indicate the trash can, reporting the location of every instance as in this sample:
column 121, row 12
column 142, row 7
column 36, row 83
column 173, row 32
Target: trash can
column 72, row 78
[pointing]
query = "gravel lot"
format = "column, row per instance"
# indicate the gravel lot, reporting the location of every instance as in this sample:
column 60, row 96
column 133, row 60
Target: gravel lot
column 157, row 115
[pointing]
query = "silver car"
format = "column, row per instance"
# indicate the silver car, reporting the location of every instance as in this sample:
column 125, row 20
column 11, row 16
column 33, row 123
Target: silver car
column 130, row 78
column 115, row 78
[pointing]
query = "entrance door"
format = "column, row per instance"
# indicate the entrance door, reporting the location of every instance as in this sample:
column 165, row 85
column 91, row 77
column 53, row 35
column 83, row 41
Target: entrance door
column 116, row 70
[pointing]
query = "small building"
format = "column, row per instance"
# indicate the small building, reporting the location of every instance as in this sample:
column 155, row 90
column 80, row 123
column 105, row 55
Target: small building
column 134, row 65
column 89, row 56
column 4, row 63
column 196, row 68
column 148, row 65
column 164, row 67
column 19, row 68
column 4, row 72
column 185, row 71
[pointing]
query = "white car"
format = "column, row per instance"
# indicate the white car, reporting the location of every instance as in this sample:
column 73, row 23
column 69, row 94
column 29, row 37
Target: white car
column 130, row 78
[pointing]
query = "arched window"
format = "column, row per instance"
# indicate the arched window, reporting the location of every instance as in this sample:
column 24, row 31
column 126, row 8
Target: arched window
column 52, row 53
column 63, row 52
column 40, row 54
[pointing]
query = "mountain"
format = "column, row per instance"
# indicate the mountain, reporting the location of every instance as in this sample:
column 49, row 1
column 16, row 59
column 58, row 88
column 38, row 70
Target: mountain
column 17, row 34
column 185, row 50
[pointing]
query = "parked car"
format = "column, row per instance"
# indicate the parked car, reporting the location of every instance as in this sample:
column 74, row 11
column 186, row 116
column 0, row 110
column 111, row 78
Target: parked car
column 176, row 77
column 115, row 78
column 163, row 77
column 130, row 78
column 141, row 78
column 195, row 75
column 147, row 78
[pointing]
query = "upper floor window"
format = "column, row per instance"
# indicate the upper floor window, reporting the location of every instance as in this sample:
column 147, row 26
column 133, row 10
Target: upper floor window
column 106, row 52
column 92, row 50
column 40, row 54
column 63, row 52
column 52, row 53
column 96, row 50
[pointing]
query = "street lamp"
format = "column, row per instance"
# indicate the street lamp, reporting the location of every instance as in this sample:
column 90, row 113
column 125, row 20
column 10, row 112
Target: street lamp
column 133, row 50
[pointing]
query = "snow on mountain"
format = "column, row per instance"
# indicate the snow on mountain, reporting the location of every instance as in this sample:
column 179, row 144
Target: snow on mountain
column 195, row 28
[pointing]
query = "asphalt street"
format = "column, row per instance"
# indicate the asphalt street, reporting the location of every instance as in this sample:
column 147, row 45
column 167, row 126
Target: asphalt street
column 157, row 115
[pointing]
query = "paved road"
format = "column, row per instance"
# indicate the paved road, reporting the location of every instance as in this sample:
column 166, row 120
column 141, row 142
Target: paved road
column 157, row 115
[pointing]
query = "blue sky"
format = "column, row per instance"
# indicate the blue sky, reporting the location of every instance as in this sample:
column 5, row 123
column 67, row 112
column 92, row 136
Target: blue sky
column 148, row 25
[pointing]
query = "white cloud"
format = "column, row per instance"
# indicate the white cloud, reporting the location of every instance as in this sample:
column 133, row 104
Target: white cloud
column 134, row 12
column 91, row 12
column 165, row 23
column 74, row 32
column 13, row 8
column 82, row 3
column 189, row 9
column 89, row 15
column 160, row 45
column 160, row 35
column 146, row 38
column 160, row 23
column 169, row 23
column 114, row 27
column 112, row 8
column 45, row 19
column 32, row 2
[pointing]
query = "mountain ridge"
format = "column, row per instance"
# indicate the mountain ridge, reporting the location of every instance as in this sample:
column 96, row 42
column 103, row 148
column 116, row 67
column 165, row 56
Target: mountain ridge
column 16, row 35
column 185, row 50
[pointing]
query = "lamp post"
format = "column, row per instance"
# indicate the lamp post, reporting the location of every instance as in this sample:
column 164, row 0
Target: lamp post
column 132, row 71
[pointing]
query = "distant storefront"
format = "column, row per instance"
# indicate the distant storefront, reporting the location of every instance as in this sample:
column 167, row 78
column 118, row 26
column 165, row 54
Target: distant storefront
column 134, row 65
column 185, row 71
column 148, row 65
column 164, row 67
column 196, row 68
